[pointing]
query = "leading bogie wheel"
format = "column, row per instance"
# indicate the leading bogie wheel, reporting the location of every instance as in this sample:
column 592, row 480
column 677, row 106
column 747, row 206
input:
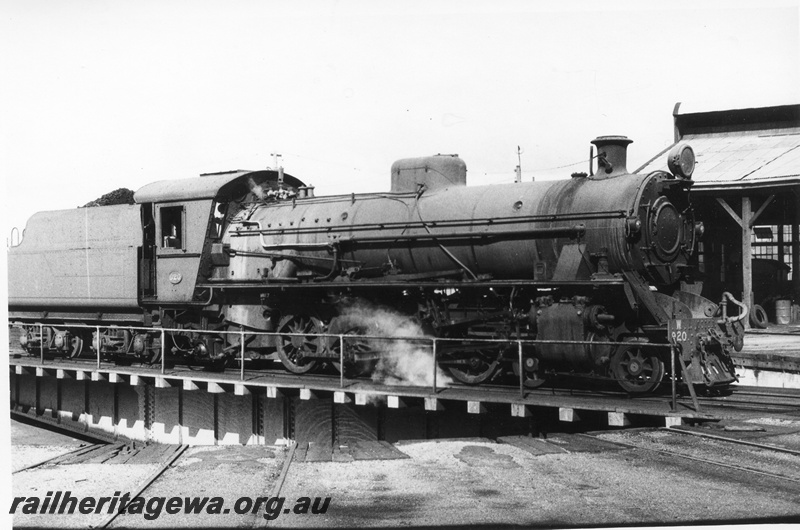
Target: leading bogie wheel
column 636, row 369
column 533, row 376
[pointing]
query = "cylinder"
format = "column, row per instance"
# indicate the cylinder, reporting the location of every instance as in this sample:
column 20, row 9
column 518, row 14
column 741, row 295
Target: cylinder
column 783, row 312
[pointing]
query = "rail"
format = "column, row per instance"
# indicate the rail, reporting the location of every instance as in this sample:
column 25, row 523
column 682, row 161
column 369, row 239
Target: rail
column 342, row 339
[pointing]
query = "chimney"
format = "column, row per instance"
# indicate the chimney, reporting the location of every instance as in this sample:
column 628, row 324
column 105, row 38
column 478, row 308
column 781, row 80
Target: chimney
column 612, row 156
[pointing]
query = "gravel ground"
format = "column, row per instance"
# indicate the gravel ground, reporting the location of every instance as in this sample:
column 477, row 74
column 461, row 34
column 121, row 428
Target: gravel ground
column 229, row 472
column 451, row 483
column 467, row 483
column 81, row 480
column 33, row 445
column 225, row 471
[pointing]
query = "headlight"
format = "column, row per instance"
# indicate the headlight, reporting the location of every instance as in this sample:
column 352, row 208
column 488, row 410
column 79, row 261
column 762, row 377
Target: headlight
column 681, row 161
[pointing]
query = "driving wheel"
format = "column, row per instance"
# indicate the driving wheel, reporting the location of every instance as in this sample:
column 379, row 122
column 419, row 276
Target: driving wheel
column 295, row 344
column 354, row 346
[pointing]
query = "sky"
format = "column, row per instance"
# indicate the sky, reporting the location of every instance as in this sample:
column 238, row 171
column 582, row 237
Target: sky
column 98, row 95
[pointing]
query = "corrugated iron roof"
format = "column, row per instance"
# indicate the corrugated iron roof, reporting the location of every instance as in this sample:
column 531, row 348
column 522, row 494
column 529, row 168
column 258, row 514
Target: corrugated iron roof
column 741, row 157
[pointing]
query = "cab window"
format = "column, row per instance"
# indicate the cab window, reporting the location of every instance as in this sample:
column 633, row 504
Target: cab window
column 220, row 210
column 172, row 227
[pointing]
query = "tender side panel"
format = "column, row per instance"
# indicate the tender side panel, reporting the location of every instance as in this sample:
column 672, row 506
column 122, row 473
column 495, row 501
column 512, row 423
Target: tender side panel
column 85, row 257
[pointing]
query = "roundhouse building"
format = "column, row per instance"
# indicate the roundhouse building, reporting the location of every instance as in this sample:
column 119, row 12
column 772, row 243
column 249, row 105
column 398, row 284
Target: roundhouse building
column 747, row 193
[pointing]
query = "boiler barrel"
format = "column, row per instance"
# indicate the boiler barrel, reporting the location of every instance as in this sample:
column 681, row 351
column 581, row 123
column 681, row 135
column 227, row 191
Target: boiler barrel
column 504, row 230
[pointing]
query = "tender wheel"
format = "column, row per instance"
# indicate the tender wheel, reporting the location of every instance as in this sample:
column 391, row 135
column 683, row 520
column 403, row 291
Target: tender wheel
column 30, row 341
column 293, row 348
column 145, row 348
column 75, row 346
column 636, row 370
column 153, row 353
column 475, row 367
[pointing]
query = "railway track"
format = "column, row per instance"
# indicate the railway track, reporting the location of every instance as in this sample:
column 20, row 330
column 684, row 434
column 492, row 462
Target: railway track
column 166, row 457
column 768, row 460
column 738, row 441
column 741, row 398
column 757, row 400
column 100, row 451
column 147, row 483
column 104, row 452
column 78, row 451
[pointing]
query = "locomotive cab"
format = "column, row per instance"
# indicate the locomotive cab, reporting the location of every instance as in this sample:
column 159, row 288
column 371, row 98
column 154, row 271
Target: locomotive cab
column 183, row 219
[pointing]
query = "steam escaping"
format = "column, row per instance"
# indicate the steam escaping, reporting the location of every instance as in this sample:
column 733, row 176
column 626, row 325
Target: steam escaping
column 256, row 189
column 403, row 361
column 265, row 192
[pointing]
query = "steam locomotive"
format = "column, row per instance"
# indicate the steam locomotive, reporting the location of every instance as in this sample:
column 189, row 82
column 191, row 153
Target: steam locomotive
column 595, row 268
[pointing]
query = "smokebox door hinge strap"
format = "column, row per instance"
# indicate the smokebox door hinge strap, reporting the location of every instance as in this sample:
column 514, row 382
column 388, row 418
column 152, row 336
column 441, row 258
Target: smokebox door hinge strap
column 630, row 296
column 643, row 293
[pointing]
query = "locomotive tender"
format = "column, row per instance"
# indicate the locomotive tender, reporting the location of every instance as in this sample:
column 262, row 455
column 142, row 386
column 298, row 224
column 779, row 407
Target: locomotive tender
column 592, row 259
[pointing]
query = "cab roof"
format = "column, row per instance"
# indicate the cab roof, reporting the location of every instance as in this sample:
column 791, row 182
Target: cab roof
column 220, row 186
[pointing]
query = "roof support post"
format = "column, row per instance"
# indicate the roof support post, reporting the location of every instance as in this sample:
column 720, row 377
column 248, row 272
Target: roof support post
column 747, row 255
column 796, row 244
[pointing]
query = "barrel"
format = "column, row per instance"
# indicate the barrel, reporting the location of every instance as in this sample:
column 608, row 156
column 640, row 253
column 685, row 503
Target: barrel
column 783, row 311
